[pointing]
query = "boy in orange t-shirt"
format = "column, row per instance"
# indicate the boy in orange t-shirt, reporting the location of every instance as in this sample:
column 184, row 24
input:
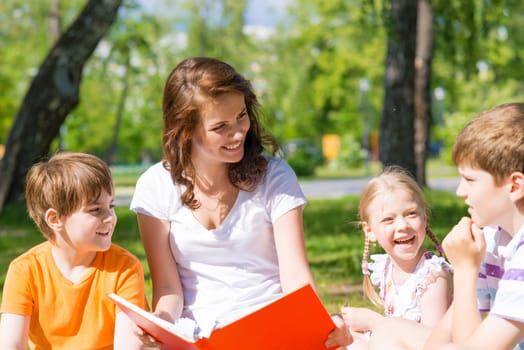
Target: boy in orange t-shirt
column 55, row 293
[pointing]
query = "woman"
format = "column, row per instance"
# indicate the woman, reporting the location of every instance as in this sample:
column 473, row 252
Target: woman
column 221, row 223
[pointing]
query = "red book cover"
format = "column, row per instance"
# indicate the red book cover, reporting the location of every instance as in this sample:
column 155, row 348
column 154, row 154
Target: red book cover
column 296, row 321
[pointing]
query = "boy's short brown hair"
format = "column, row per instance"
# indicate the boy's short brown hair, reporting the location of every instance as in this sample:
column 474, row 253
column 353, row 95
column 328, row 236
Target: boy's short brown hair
column 493, row 141
column 65, row 182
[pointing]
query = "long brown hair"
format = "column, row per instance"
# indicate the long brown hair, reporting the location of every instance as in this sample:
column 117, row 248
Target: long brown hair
column 191, row 83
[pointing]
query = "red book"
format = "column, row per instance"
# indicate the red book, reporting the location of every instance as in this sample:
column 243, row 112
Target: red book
column 295, row 321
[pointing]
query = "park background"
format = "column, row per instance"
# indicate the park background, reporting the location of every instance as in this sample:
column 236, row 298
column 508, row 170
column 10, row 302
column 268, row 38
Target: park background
column 346, row 86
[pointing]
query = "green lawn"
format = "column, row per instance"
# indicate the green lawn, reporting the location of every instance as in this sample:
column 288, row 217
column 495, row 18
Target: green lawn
column 126, row 175
column 334, row 243
column 435, row 168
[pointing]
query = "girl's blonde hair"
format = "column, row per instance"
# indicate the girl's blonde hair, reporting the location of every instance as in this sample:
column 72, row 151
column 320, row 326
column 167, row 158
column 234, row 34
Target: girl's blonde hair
column 392, row 178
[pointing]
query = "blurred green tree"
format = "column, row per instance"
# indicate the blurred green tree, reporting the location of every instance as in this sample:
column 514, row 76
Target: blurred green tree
column 53, row 93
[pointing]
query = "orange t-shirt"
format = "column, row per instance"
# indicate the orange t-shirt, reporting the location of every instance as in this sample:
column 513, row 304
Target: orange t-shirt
column 65, row 315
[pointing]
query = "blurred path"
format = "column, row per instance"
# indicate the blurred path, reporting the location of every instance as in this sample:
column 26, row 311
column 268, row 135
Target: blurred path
column 342, row 187
column 319, row 188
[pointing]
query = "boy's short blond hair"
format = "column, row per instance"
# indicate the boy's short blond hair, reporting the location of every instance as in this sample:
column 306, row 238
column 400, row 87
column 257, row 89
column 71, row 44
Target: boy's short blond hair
column 65, row 182
column 493, row 141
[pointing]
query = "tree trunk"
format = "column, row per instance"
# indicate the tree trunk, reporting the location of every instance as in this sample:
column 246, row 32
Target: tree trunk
column 424, row 55
column 54, row 30
column 396, row 144
column 111, row 151
column 53, row 93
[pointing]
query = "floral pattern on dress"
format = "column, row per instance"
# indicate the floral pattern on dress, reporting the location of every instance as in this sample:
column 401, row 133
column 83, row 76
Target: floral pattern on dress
column 403, row 300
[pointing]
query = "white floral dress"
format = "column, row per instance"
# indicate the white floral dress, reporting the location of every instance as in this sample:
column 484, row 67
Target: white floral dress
column 403, row 300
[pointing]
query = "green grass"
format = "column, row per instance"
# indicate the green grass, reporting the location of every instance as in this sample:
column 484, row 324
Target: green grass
column 435, row 168
column 334, row 243
column 126, row 175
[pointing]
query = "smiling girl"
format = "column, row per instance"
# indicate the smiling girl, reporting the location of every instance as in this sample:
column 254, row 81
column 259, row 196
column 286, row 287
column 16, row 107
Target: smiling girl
column 413, row 283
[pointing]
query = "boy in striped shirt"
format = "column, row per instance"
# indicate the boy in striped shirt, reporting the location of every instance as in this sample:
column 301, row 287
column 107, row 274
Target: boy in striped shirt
column 486, row 249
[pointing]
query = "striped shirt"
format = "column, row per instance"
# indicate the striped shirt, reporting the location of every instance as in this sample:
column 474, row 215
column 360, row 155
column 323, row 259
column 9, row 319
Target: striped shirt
column 500, row 288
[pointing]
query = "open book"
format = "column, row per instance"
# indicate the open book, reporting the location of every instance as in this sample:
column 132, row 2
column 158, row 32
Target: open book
column 295, row 321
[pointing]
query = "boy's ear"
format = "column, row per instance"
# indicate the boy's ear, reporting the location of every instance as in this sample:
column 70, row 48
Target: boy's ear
column 368, row 232
column 517, row 186
column 52, row 218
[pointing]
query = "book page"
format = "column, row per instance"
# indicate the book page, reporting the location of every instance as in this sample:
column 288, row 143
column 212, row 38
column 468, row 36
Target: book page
column 180, row 334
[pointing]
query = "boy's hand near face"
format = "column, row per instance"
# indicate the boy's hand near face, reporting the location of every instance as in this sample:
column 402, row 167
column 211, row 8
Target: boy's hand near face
column 465, row 249
column 464, row 245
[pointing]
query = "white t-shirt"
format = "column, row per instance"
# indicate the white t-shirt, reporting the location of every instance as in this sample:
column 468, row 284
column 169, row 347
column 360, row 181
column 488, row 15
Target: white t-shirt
column 229, row 271
column 403, row 300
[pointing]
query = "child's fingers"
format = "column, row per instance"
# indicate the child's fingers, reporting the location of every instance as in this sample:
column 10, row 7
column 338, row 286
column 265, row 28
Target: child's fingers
column 459, row 234
column 149, row 341
column 480, row 241
column 463, row 229
column 465, row 244
column 137, row 330
column 340, row 335
column 345, row 312
column 145, row 337
column 348, row 314
column 478, row 234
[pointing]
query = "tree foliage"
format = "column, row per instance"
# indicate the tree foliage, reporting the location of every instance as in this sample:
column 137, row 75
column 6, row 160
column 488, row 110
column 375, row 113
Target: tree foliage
column 53, row 93
column 123, row 80
column 321, row 54
column 321, row 72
